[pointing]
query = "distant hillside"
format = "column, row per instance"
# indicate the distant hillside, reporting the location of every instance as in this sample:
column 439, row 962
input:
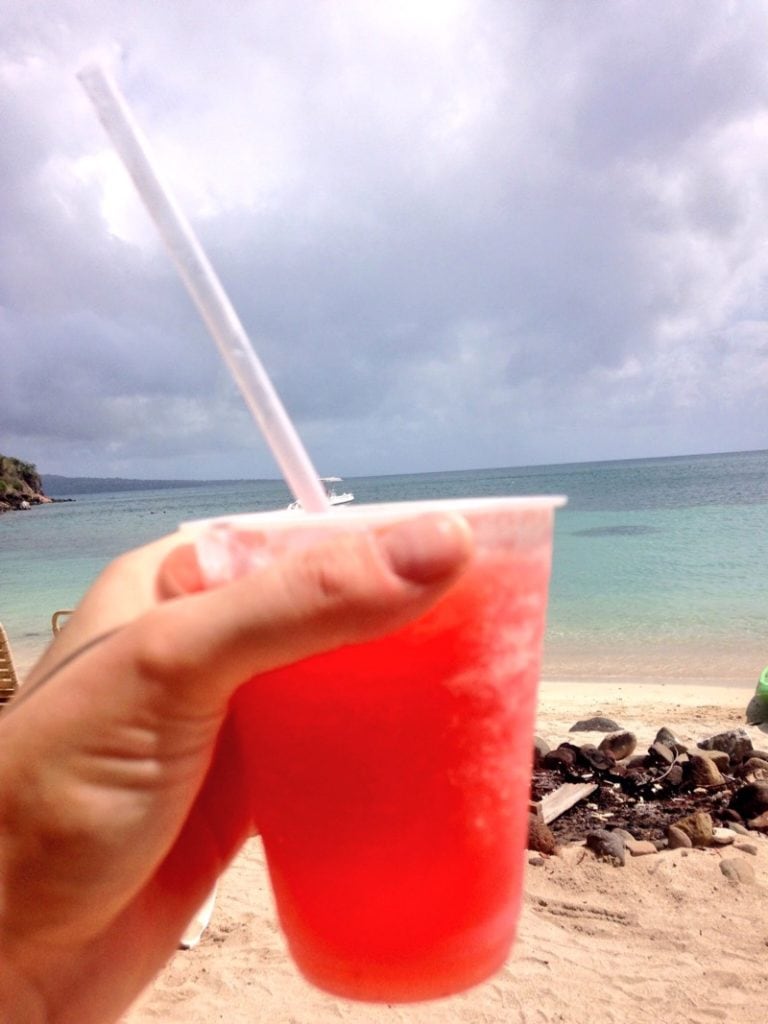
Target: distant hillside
column 60, row 485
column 20, row 484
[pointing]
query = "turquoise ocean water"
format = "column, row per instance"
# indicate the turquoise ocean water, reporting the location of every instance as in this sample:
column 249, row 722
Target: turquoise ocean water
column 660, row 571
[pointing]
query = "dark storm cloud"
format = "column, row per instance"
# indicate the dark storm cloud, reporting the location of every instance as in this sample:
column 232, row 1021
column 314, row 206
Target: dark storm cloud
column 460, row 234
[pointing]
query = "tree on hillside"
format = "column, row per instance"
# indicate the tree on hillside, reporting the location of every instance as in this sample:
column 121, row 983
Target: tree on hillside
column 19, row 482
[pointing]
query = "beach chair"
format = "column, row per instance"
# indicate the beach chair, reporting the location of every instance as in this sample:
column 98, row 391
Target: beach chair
column 9, row 681
column 56, row 624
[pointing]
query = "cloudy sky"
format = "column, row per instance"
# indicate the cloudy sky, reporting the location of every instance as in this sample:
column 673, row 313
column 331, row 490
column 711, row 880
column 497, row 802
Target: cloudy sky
column 460, row 234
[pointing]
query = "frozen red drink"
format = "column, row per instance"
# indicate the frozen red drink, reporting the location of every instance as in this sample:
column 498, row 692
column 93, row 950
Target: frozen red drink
column 390, row 780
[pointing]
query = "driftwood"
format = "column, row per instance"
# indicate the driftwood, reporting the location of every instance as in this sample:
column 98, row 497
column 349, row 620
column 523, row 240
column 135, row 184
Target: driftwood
column 561, row 800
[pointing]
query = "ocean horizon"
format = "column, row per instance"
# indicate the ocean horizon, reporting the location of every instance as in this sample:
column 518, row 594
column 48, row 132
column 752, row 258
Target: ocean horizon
column 657, row 568
column 69, row 485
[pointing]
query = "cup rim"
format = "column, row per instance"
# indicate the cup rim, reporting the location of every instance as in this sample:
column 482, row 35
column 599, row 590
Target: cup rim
column 382, row 511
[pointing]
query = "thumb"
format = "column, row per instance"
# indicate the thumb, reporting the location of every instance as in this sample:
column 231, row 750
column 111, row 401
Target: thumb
column 345, row 590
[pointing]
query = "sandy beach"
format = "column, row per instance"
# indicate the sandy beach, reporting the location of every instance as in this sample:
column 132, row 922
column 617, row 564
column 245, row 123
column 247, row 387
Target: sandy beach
column 666, row 937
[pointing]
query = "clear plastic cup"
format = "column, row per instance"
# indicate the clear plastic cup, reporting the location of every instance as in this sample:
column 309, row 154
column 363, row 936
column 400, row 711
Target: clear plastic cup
column 390, row 780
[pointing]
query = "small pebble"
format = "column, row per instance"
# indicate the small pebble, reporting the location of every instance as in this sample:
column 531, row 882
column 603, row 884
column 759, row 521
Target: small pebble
column 747, row 848
column 738, row 870
column 723, row 837
column 739, row 828
column 641, row 847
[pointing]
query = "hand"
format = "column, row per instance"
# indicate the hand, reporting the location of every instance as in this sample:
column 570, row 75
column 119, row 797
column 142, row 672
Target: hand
column 110, row 835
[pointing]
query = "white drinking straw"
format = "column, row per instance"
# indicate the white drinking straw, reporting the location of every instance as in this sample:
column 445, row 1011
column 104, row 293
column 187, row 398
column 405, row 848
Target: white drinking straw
column 206, row 290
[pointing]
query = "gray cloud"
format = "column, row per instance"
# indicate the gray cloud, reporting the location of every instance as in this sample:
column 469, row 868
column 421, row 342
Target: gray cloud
column 460, row 234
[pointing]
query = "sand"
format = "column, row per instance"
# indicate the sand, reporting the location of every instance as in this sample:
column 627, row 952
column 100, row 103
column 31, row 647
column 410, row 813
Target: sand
column 668, row 937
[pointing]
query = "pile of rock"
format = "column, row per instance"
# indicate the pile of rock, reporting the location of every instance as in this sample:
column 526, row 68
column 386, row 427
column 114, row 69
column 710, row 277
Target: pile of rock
column 670, row 796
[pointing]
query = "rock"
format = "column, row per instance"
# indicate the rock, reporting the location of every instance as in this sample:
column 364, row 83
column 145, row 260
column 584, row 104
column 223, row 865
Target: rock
column 704, row 771
column 635, row 779
column 720, row 758
column 760, row 823
column 640, row 847
column 668, row 738
column 674, row 776
column 738, row 828
column 698, row 827
column 597, row 724
column 731, row 816
column 749, row 848
column 754, row 768
column 738, row 870
column 665, row 736
column 678, row 839
column 540, row 749
column 599, row 760
column 637, row 761
column 607, row 846
column 660, row 753
column 536, row 861
column 736, row 743
column 619, row 745
column 540, row 837
column 751, row 800
column 560, row 758
column 626, row 836
column 723, row 837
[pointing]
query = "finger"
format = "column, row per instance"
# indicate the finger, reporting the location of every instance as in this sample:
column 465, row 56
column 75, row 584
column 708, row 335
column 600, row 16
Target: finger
column 346, row 590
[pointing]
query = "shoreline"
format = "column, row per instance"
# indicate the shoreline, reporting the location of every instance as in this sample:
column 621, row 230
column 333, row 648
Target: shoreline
column 666, row 665
column 724, row 662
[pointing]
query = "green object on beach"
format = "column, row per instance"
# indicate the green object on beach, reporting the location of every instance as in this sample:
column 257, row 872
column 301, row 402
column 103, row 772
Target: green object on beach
column 757, row 709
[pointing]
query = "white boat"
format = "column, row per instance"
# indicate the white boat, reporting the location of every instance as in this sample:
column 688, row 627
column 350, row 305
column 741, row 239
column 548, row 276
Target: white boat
column 335, row 499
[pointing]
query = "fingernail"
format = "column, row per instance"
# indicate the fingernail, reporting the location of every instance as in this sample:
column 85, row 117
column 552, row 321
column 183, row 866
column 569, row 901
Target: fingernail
column 427, row 549
column 180, row 573
column 225, row 555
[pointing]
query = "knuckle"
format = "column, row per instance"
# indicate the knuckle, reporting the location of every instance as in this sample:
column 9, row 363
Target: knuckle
column 346, row 577
column 329, row 579
column 157, row 653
